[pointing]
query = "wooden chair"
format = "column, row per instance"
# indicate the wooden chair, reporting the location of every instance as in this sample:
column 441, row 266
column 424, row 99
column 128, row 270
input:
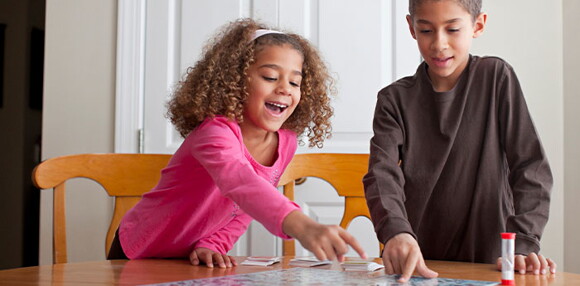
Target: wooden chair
column 123, row 176
column 343, row 171
column 127, row 176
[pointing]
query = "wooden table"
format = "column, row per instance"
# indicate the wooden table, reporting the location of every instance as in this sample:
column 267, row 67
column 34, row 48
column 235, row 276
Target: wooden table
column 123, row 272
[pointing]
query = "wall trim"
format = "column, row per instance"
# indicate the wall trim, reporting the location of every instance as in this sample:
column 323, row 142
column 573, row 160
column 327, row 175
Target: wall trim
column 130, row 75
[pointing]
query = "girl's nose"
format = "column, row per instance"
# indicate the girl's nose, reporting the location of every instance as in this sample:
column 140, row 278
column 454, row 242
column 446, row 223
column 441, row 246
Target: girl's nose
column 283, row 88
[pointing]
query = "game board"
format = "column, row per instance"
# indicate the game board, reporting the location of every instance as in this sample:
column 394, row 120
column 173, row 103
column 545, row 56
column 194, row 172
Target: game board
column 309, row 276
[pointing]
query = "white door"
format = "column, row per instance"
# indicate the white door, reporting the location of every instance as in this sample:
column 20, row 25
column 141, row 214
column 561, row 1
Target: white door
column 365, row 43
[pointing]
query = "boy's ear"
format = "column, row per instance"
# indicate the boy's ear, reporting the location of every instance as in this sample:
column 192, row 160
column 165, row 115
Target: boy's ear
column 479, row 25
column 411, row 29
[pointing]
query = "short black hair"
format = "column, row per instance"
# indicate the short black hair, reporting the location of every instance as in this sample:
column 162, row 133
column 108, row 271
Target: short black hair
column 471, row 6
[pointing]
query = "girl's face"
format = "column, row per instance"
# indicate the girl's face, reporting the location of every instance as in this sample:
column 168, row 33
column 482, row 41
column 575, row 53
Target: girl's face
column 444, row 31
column 273, row 87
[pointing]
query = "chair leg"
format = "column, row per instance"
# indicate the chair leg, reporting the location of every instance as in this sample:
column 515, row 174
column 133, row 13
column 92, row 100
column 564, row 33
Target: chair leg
column 59, row 254
column 288, row 246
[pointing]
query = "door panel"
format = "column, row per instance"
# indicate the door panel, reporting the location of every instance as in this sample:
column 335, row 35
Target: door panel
column 365, row 43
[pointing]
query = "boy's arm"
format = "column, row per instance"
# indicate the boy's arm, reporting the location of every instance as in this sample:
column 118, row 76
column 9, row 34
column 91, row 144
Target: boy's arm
column 530, row 177
column 384, row 182
column 384, row 191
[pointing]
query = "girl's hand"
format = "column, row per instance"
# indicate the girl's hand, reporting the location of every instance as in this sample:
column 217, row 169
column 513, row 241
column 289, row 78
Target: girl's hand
column 533, row 263
column 210, row 257
column 325, row 241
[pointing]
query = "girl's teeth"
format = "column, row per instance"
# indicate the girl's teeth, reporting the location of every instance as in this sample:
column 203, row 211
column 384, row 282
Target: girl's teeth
column 278, row 106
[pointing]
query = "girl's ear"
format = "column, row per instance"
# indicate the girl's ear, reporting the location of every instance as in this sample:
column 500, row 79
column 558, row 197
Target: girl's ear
column 411, row 29
column 479, row 25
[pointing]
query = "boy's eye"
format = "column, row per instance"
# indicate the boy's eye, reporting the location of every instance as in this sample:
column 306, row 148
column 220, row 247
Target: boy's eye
column 424, row 31
column 453, row 30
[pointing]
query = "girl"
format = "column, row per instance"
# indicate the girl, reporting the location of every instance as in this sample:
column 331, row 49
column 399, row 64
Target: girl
column 239, row 109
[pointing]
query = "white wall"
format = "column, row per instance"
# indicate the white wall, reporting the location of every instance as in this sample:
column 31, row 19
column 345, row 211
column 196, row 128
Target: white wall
column 528, row 34
column 79, row 100
column 78, row 117
column 571, row 134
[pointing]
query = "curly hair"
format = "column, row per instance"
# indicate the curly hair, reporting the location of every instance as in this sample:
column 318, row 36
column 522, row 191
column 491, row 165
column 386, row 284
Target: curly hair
column 217, row 83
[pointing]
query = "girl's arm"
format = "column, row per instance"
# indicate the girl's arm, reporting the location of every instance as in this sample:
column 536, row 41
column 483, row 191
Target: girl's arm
column 218, row 146
column 213, row 249
column 223, row 240
column 219, row 149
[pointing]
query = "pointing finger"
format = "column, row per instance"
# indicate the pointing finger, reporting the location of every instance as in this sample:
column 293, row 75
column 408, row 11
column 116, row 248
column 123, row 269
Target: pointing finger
column 350, row 240
column 409, row 266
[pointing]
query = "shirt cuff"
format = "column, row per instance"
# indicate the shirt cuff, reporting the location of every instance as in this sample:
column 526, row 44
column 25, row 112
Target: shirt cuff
column 526, row 244
column 391, row 227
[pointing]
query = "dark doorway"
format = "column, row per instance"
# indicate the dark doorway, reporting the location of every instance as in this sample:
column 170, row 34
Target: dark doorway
column 22, row 24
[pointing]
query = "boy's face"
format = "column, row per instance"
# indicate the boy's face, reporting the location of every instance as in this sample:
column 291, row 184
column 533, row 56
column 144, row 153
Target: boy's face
column 444, row 31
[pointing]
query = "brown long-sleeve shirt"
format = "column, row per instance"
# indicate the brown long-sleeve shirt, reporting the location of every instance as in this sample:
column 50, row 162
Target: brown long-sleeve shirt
column 472, row 165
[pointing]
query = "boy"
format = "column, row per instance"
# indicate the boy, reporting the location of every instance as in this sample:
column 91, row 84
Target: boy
column 455, row 158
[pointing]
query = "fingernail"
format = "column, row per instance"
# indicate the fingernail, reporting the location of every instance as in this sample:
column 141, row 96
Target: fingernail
column 536, row 272
column 553, row 271
column 522, row 271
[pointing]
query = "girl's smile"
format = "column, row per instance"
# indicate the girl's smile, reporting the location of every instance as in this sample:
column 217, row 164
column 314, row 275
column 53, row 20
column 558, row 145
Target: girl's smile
column 276, row 108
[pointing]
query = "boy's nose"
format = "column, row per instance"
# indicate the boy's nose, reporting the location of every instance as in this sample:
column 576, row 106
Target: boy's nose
column 440, row 43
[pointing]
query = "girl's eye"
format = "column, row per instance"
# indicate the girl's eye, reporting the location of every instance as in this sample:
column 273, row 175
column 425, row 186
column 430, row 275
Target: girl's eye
column 295, row 84
column 269, row 78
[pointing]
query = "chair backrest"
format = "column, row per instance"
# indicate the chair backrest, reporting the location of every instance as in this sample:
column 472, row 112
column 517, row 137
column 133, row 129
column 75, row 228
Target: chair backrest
column 343, row 171
column 124, row 176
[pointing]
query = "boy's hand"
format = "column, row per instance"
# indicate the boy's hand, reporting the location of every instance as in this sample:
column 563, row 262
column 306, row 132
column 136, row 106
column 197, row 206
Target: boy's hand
column 210, row 257
column 325, row 241
column 402, row 256
column 533, row 263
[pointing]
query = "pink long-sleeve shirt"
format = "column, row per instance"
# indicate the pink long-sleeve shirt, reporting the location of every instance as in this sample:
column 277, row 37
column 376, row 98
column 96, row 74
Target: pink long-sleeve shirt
column 208, row 194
